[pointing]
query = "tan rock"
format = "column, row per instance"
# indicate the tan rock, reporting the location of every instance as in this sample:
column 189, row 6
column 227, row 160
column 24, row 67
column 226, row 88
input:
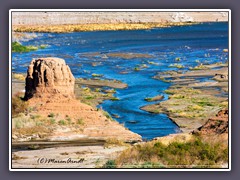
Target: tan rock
column 50, row 90
column 49, row 77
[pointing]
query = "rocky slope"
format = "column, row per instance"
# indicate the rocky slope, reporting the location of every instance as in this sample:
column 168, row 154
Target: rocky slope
column 50, row 95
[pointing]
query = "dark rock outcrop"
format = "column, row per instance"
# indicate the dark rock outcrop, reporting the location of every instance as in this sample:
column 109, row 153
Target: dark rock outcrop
column 49, row 77
column 215, row 125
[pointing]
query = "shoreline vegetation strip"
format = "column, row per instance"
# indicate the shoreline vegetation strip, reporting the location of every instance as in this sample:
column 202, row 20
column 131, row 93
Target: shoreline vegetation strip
column 63, row 28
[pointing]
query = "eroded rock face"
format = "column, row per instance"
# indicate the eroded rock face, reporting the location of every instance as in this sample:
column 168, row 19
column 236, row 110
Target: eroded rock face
column 216, row 125
column 49, row 77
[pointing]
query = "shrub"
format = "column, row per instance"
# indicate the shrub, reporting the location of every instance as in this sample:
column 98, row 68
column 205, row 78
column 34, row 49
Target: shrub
column 80, row 122
column 105, row 113
column 194, row 153
column 17, row 47
column 51, row 115
column 62, row 122
column 69, row 120
column 89, row 97
column 18, row 105
column 110, row 164
column 52, row 121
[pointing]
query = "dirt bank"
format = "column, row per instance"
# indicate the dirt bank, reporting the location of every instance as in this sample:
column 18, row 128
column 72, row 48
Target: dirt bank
column 66, row 157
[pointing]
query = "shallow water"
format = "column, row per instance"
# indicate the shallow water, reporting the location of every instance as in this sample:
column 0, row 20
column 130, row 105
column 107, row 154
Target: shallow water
column 204, row 42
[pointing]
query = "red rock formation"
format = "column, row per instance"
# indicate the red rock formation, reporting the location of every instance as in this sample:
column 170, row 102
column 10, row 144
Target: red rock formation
column 50, row 82
column 216, row 125
column 49, row 77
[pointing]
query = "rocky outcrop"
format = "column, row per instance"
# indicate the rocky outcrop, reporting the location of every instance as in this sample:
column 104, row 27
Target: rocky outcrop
column 49, row 77
column 221, row 77
column 50, row 91
column 215, row 125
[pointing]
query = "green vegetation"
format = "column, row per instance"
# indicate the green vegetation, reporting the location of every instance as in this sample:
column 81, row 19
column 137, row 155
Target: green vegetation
column 203, row 102
column 114, row 99
column 80, row 122
column 149, row 99
column 105, row 113
column 69, row 120
column 89, row 97
column 52, row 121
column 163, row 79
column 136, row 69
column 192, row 154
column 182, row 91
column 36, row 116
column 169, row 91
column 110, row 91
column 177, row 59
column 62, row 122
column 51, row 115
column 185, row 102
column 94, row 96
column 110, row 164
column 97, row 75
column 18, row 47
column 199, row 67
column 156, row 98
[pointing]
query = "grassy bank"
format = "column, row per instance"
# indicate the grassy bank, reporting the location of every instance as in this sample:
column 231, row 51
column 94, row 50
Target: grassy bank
column 18, row 47
column 94, row 27
column 195, row 153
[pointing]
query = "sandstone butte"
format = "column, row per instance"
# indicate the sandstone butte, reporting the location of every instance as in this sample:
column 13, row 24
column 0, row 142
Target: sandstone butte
column 50, row 89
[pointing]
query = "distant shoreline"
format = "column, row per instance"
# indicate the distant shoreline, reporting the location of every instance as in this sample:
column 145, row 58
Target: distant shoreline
column 66, row 28
column 62, row 22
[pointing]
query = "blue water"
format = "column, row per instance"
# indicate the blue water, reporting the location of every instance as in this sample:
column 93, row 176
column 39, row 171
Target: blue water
column 204, row 42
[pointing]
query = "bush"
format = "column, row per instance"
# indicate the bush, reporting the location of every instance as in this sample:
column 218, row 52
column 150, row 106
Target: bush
column 80, row 122
column 195, row 153
column 52, row 121
column 51, row 115
column 17, row 47
column 18, row 105
column 62, row 122
column 110, row 164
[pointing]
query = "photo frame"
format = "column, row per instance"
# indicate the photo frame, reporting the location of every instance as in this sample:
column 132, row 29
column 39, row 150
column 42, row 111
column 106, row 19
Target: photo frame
column 123, row 56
